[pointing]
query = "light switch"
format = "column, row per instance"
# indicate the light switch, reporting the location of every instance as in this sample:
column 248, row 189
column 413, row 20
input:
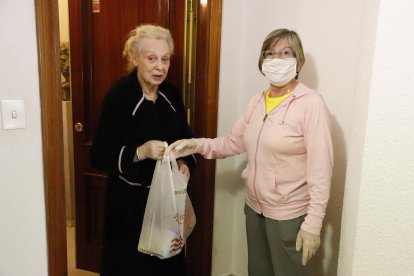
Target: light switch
column 13, row 114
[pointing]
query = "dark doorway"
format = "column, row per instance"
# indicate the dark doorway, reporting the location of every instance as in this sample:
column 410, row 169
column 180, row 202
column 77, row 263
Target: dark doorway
column 204, row 124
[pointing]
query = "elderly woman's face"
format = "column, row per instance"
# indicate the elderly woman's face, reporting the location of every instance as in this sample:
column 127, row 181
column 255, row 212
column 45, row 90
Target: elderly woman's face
column 153, row 61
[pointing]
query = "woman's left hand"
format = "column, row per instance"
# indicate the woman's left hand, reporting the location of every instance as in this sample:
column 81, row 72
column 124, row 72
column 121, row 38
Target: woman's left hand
column 310, row 243
column 183, row 168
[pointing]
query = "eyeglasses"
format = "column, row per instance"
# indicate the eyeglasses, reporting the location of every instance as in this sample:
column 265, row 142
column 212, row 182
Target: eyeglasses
column 285, row 53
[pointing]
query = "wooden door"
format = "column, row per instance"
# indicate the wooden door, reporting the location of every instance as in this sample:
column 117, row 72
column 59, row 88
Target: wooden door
column 97, row 36
column 205, row 124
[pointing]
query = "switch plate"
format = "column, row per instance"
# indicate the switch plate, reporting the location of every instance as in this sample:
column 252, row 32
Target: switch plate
column 13, row 114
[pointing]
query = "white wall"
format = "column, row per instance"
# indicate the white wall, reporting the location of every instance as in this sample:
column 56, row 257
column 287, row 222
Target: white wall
column 339, row 39
column 228, row 232
column 379, row 238
column 22, row 210
column 331, row 66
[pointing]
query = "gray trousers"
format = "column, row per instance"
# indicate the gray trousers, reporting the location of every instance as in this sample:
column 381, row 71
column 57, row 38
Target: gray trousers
column 272, row 245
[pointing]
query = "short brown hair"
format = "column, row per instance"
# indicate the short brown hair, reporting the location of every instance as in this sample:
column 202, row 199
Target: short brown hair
column 294, row 42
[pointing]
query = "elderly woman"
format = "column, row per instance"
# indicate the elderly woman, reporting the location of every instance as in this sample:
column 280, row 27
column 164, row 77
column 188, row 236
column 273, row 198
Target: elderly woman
column 139, row 113
column 285, row 132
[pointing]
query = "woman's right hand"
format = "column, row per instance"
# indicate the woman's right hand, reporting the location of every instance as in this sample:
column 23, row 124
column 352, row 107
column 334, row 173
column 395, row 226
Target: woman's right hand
column 152, row 149
column 183, row 147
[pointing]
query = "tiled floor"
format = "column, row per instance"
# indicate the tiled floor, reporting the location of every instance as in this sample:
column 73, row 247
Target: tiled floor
column 70, row 238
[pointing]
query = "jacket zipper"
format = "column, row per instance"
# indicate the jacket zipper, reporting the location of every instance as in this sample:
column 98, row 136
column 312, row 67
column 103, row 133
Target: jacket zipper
column 255, row 163
column 257, row 145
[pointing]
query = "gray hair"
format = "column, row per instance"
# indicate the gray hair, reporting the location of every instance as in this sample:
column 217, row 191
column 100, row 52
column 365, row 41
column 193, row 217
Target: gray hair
column 133, row 43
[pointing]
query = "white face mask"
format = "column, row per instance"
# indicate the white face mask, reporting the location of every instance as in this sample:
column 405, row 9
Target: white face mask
column 279, row 71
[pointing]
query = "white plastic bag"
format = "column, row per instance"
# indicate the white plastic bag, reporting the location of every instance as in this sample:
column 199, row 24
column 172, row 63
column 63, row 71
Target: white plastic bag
column 165, row 228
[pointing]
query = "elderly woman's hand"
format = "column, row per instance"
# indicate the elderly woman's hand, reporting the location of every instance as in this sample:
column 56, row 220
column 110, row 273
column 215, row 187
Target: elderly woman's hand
column 152, row 149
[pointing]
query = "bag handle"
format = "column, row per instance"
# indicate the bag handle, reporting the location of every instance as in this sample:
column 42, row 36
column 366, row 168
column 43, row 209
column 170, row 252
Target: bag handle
column 172, row 164
column 170, row 157
column 173, row 161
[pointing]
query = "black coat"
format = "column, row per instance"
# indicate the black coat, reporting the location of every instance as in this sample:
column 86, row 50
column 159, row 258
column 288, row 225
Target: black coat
column 128, row 120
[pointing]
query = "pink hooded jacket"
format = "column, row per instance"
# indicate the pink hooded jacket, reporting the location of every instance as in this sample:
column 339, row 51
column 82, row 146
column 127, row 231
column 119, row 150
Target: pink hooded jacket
column 289, row 156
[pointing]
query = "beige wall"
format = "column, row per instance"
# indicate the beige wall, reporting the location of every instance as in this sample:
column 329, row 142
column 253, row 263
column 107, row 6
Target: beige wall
column 63, row 20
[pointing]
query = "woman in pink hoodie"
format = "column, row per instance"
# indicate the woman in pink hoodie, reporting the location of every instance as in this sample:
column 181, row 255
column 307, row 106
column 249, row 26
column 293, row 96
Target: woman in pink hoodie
column 285, row 132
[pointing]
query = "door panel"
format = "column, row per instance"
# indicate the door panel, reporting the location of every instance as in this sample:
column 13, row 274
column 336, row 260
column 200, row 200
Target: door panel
column 97, row 41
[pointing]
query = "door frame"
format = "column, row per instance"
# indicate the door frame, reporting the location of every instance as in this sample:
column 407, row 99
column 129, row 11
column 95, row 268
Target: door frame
column 206, row 104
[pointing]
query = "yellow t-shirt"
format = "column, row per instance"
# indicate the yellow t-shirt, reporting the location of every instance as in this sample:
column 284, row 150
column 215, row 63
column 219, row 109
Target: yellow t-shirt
column 272, row 103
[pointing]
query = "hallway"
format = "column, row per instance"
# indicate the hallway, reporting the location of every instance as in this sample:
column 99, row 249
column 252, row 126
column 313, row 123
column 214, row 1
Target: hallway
column 72, row 271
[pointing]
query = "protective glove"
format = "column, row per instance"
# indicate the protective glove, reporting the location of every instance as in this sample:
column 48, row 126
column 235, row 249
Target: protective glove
column 183, row 147
column 153, row 149
column 310, row 243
